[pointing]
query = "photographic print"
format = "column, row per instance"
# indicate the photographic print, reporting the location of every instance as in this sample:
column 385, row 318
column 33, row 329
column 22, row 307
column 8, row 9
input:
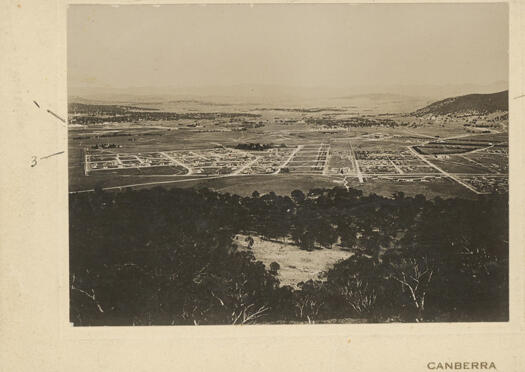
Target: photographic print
column 236, row 164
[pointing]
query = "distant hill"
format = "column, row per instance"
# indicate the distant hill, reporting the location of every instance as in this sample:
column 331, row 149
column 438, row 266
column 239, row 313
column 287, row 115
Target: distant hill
column 474, row 103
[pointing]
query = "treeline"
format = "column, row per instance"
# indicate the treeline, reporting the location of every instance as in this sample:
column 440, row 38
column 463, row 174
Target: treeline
column 353, row 122
column 153, row 116
column 256, row 146
column 169, row 257
column 307, row 110
column 84, row 108
column 97, row 114
column 105, row 146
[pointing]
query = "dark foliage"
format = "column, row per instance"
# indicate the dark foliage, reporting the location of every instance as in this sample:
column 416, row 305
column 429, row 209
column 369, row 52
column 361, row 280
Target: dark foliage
column 358, row 121
column 254, row 146
column 169, row 257
column 478, row 103
column 98, row 114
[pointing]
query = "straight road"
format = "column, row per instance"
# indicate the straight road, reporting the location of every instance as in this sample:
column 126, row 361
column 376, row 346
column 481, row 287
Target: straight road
column 249, row 164
column 328, row 155
column 419, row 134
column 356, row 164
column 289, row 158
column 399, row 170
column 442, row 171
column 190, row 171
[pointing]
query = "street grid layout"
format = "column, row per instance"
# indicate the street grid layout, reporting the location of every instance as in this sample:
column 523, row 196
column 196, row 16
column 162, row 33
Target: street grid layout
column 482, row 169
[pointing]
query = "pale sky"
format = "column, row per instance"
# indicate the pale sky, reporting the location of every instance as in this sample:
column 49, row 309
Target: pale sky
column 335, row 45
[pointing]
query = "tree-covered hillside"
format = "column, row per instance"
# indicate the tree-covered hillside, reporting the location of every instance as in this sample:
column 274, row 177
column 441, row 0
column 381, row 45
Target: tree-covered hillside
column 471, row 103
column 161, row 257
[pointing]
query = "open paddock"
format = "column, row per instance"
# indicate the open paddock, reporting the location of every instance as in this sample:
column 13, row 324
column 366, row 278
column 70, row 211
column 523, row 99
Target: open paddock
column 458, row 164
column 497, row 163
column 160, row 170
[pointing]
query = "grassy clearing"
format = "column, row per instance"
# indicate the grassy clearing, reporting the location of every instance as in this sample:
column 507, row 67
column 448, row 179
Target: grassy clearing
column 296, row 265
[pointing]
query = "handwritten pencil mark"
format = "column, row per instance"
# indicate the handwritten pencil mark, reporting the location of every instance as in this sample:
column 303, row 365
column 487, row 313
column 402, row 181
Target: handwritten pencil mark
column 48, row 156
column 51, row 112
column 56, row 116
column 34, row 159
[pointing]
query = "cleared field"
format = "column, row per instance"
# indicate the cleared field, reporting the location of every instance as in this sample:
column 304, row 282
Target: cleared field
column 458, row 164
column 431, row 130
column 430, row 187
column 280, row 184
column 296, row 265
column 442, row 149
column 169, row 170
column 497, row 163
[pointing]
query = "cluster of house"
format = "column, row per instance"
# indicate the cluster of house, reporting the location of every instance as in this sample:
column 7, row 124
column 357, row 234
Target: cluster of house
column 269, row 162
column 488, row 184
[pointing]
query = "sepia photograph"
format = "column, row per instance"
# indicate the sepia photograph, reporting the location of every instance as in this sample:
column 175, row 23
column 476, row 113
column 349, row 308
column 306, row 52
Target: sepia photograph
column 299, row 164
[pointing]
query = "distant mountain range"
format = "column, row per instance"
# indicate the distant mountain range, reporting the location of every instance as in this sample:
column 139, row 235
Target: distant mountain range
column 282, row 94
column 400, row 99
column 474, row 103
